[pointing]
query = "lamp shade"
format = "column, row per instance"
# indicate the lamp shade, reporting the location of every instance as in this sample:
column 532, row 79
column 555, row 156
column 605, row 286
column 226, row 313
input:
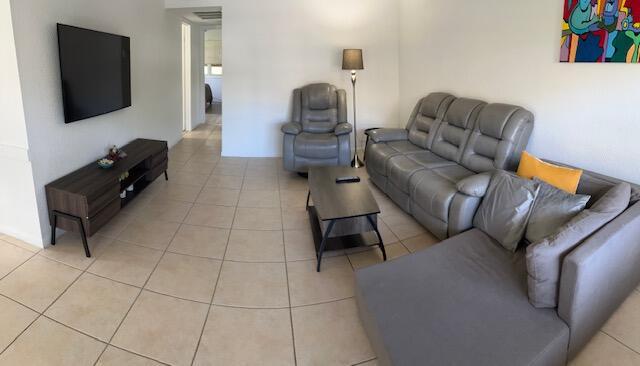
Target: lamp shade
column 352, row 59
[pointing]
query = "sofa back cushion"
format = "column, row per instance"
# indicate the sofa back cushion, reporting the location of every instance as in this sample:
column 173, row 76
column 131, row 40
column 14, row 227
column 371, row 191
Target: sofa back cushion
column 544, row 258
column 456, row 127
column 499, row 137
column 426, row 118
column 505, row 208
column 319, row 107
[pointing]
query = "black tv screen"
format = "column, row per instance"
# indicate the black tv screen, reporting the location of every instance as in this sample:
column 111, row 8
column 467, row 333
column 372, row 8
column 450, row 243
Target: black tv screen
column 95, row 69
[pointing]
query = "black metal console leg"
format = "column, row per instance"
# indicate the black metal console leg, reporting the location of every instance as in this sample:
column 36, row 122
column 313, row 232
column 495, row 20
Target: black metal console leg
column 54, row 224
column 83, row 234
column 308, row 196
column 324, row 243
column 84, row 239
column 380, row 243
column 166, row 176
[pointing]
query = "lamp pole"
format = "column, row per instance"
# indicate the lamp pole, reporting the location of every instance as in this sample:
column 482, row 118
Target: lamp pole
column 356, row 162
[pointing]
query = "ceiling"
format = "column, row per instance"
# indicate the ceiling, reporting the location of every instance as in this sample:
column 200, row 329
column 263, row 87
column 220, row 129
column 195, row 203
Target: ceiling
column 202, row 16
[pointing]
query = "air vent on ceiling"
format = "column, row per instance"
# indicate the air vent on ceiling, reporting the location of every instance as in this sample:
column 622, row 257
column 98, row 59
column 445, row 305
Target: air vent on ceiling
column 208, row 15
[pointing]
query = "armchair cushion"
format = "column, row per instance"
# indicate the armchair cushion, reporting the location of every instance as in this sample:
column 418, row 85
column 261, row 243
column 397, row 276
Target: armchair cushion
column 388, row 134
column 316, row 145
column 292, row 128
column 475, row 185
column 343, row 129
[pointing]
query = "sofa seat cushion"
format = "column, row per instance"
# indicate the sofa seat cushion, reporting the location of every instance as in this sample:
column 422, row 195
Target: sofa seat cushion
column 401, row 168
column 404, row 147
column 316, row 145
column 433, row 190
column 429, row 160
column 378, row 156
column 461, row 302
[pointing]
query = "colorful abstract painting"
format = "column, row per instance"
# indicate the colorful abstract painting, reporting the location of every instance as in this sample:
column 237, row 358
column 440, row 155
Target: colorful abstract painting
column 600, row 31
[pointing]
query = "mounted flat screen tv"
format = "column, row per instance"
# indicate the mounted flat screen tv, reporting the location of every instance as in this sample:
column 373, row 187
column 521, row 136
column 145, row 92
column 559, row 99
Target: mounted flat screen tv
column 95, row 69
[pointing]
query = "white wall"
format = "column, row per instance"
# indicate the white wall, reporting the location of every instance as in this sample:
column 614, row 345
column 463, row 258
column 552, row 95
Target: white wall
column 508, row 51
column 272, row 47
column 18, row 209
column 56, row 148
column 197, row 76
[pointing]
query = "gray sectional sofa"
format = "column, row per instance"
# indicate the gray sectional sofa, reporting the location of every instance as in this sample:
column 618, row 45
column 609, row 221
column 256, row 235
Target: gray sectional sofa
column 465, row 301
column 446, row 141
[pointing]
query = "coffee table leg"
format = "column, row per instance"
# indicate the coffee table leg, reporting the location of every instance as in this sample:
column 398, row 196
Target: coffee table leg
column 324, row 243
column 380, row 243
column 308, row 196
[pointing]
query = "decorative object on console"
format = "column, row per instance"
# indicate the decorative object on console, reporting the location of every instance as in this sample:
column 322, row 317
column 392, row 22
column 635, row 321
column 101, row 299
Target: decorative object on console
column 105, row 163
column 116, row 154
column 352, row 60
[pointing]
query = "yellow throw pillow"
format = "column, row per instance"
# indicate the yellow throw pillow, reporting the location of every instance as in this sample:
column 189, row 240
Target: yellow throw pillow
column 560, row 177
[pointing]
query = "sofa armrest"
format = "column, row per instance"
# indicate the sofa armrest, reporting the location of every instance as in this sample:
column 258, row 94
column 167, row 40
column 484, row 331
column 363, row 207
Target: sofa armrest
column 388, row 134
column 475, row 185
column 292, row 128
column 343, row 129
column 598, row 276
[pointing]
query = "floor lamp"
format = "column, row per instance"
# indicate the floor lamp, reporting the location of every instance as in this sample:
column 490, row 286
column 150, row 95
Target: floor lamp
column 352, row 60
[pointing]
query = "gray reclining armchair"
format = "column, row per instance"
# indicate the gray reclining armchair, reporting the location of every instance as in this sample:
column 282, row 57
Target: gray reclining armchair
column 318, row 133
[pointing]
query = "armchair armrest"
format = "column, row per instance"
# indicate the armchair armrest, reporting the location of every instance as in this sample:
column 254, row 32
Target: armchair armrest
column 388, row 134
column 292, row 128
column 475, row 185
column 343, row 129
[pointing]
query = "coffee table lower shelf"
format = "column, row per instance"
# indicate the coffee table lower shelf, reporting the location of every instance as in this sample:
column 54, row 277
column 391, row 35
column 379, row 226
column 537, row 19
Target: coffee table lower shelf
column 366, row 239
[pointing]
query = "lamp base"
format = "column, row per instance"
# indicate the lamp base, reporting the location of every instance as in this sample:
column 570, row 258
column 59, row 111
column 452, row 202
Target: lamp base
column 356, row 162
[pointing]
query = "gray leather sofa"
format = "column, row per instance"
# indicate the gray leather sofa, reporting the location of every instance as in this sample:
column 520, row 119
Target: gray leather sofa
column 465, row 301
column 446, row 142
column 318, row 133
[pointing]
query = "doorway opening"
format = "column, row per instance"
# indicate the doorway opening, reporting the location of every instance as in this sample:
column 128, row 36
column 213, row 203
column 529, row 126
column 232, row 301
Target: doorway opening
column 213, row 73
column 186, row 77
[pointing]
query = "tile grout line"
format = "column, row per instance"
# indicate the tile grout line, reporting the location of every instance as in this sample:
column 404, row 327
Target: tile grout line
column 365, row 361
column 97, row 339
column 286, row 269
column 141, row 289
column 25, row 329
column 620, row 342
column 18, row 266
column 215, row 287
column 41, row 313
column 35, row 250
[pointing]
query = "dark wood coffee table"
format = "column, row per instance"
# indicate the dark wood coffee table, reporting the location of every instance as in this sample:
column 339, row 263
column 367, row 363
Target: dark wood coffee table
column 343, row 215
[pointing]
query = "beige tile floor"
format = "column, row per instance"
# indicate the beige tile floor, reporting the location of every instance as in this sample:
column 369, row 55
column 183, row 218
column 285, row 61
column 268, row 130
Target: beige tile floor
column 214, row 267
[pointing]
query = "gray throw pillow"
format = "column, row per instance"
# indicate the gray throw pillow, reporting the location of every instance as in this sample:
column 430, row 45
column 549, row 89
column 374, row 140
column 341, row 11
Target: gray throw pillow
column 553, row 208
column 544, row 258
column 506, row 207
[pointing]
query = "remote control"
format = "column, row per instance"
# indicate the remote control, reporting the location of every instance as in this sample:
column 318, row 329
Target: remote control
column 352, row 179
